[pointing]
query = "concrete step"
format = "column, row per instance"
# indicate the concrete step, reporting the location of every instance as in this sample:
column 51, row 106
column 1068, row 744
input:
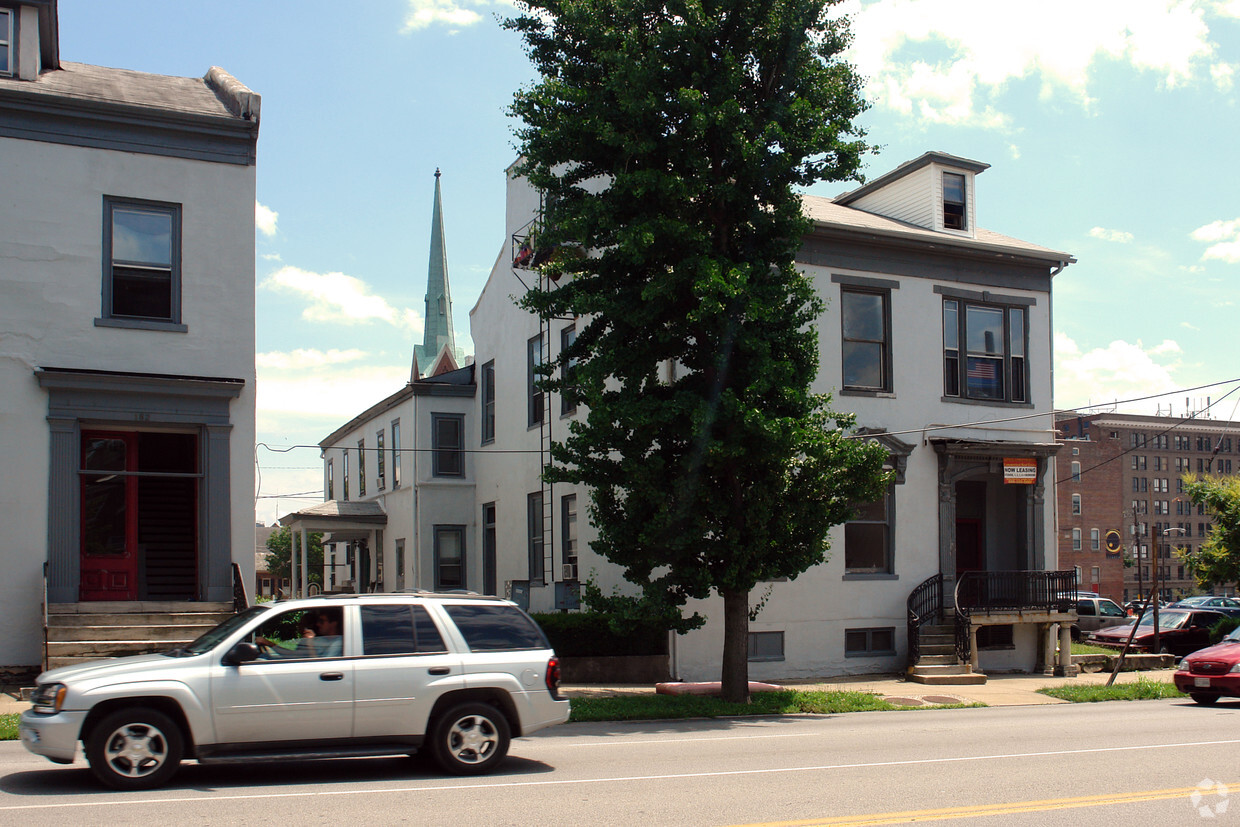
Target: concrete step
column 968, row 679
column 938, row 649
column 137, row 607
column 143, row 619
column 937, row 659
column 167, row 631
column 90, row 649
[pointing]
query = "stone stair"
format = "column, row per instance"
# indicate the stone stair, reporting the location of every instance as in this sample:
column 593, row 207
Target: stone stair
column 78, row 632
column 937, row 664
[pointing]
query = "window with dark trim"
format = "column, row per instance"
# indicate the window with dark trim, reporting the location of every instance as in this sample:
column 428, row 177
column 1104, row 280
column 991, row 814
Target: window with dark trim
column 447, row 435
column 395, row 453
column 865, row 322
column 449, row 557
column 361, row 468
column 766, row 646
column 984, row 348
column 568, row 405
column 954, row 216
column 380, row 461
column 568, row 534
column 6, row 42
column 331, row 480
column 534, row 535
column 344, row 453
column 534, row 395
column 488, row 402
column 867, row 537
column 489, row 549
column 872, row 641
column 141, row 261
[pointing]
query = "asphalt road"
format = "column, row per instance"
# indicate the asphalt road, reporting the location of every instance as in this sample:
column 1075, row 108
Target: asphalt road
column 1130, row 763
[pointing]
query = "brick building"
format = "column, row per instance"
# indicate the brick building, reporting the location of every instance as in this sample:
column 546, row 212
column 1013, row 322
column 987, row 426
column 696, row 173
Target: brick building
column 1121, row 501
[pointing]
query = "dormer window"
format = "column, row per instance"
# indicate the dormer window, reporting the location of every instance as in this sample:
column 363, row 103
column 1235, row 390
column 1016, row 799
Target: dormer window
column 953, row 201
column 6, row 42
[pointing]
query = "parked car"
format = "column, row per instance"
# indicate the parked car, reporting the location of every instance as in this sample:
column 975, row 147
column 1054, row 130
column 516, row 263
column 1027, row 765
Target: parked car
column 1180, row 631
column 1094, row 613
column 1226, row 605
column 456, row 675
column 1208, row 673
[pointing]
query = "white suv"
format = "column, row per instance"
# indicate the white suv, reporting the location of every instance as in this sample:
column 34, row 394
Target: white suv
column 355, row 675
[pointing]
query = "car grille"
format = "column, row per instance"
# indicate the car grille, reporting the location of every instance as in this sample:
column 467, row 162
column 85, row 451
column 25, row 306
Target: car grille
column 1208, row 667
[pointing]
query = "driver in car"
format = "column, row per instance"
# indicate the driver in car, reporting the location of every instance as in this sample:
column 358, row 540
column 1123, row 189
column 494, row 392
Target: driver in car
column 320, row 638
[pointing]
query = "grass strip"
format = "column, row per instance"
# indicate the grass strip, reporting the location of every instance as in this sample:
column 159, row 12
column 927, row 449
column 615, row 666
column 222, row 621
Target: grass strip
column 8, row 726
column 1142, row 689
column 785, row 702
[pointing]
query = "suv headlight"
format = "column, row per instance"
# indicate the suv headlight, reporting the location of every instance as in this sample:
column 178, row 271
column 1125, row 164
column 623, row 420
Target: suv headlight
column 49, row 697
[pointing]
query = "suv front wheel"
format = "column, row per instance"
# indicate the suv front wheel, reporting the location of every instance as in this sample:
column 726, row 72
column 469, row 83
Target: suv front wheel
column 134, row 749
column 470, row 739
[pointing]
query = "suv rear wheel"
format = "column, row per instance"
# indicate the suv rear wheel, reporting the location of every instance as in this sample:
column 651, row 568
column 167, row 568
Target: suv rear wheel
column 135, row 749
column 470, row 739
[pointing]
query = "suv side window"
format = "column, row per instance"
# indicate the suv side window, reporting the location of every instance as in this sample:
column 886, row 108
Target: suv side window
column 1085, row 606
column 496, row 628
column 1107, row 608
column 399, row 630
column 301, row 633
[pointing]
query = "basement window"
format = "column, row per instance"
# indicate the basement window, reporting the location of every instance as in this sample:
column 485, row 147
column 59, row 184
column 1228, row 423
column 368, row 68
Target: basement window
column 766, row 646
column 864, row 642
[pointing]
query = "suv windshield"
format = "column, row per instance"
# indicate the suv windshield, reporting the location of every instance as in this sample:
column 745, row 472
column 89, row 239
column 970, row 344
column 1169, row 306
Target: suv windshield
column 211, row 639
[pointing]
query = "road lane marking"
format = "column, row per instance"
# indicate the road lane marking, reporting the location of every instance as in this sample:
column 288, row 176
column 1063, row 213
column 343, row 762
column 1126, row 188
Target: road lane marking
column 95, row 802
column 979, row 810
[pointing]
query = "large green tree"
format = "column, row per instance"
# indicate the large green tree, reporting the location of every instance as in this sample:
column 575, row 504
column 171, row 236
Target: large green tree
column 667, row 139
column 1217, row 560
column 279, row 553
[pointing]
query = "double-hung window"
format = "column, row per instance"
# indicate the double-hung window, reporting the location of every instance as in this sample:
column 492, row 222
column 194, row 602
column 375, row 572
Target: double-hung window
column 568, row 404
column 361, row 468
column 380, row 461
column 488, row 402
column 865, row 325
column 534, row 537
column 984, row 349
column 141, row 263
column 449, row 557
column 534, row 394
column 396, row 453
column 6, row 42
column 867, row 537
column 447, row 431
column 954, row 213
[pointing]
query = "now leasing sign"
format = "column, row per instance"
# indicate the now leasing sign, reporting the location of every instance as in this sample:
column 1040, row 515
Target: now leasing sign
column 1020, row 471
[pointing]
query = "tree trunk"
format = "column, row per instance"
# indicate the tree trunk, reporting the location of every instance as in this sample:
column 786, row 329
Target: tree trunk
column 735, row 685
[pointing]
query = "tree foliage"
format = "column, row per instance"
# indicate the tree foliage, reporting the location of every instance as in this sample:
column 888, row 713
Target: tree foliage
column 1217, row 560
column 279, row 551
column 667, row 139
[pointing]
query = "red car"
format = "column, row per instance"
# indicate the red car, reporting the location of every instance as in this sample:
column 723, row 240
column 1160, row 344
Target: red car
column 1180, row 631
column 1209, row 673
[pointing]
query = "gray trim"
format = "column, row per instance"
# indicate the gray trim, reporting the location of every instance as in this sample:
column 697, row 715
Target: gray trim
column 33, row 116
column 101, row 399
column 985, row 296
column 856, row 249
column 865, row 281
column 436, row 449
column 10, row 38
column 996, row 403
column 888, row 343
column 870, row 576
column 459, row 530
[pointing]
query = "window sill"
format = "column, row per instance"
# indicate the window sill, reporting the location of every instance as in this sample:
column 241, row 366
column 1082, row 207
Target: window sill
column 866, row 392
column 875, row 654
column 866, row 575
column 993, row 403
column 142, row 324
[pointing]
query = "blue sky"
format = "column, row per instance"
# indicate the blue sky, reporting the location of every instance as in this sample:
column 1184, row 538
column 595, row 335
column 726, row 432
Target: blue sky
column 1109, row 126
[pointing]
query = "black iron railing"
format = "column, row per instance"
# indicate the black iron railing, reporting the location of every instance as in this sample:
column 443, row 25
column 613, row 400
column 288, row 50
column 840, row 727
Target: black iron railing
column 925, row 606
column 1004, row 591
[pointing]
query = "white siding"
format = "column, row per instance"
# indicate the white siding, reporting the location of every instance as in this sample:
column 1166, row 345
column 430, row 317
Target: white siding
column 910, row 198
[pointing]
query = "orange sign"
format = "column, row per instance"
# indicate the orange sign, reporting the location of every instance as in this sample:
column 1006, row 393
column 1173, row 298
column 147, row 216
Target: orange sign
column 1020, row 471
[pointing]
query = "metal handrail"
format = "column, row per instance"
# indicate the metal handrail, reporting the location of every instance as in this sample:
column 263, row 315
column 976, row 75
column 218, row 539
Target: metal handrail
column 925, row 605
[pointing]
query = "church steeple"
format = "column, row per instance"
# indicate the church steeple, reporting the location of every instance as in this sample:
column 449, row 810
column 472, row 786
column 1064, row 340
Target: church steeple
column 438, row 319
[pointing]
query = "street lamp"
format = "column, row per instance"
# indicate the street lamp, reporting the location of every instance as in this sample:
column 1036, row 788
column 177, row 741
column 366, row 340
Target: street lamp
column 1164, row 530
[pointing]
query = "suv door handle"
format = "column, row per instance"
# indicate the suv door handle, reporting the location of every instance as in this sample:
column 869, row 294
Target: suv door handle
column 332, row 676
column 439, row 670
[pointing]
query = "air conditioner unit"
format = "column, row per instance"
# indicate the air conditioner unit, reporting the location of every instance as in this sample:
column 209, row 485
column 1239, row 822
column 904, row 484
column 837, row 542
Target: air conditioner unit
column 569, row 571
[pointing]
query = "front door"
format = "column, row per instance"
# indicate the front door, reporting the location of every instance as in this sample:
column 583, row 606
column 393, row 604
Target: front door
column 109, row 517
column 969, row 555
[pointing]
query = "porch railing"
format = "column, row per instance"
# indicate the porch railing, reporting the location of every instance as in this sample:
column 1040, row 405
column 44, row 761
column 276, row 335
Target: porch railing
column 925, row 607
column 1003, row 591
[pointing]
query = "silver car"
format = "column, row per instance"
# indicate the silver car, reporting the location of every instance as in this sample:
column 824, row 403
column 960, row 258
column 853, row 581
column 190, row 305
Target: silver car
column 1095, row 613
column 355, row 675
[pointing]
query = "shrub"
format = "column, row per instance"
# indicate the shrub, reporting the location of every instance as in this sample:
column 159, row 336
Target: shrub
column 589, row 634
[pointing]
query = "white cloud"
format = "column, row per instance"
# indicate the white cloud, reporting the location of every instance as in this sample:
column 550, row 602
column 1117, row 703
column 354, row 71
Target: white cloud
column 1223, row 238
column 452, row 13
column 1121, row 370
column 945, row 60
column 306, row 358
column 1118, row 236
column 265, row 219
column 335, row 297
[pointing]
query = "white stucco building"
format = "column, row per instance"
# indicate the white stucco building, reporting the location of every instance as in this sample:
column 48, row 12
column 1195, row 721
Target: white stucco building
column 937, row 334
column 126, row 333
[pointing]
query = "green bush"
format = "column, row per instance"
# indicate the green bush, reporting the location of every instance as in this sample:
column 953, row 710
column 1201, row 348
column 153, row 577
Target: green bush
column 589, row 634
column 1223, row 628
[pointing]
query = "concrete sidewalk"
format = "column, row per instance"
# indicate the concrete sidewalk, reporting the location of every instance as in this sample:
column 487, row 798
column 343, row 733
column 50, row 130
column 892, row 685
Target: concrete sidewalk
column 999, row 690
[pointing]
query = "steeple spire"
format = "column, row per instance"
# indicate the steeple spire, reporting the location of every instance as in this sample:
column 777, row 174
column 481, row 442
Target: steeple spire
column 438, row 319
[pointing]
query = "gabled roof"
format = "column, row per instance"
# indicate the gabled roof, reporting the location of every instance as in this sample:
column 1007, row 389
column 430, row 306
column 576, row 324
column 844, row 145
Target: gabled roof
column 338, row 511
column 909, row 167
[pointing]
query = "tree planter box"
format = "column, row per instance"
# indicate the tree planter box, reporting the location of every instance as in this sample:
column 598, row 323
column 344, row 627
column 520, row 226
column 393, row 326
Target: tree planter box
column 621, row 669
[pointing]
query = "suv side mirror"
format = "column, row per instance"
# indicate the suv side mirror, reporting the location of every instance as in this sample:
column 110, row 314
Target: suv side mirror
column 241, row 653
